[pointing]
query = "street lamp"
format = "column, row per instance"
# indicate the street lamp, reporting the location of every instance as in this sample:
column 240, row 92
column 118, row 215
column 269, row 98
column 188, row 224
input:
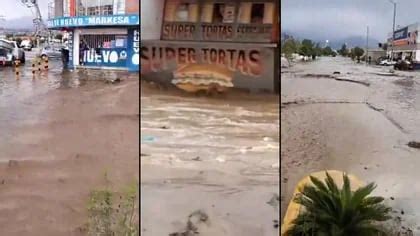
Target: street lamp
column 393, row 29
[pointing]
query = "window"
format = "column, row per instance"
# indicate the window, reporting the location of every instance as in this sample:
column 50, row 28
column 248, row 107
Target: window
column 177, row 11
column 220, row 13
column 107, row 10
column 256, row 13
column 95, row 8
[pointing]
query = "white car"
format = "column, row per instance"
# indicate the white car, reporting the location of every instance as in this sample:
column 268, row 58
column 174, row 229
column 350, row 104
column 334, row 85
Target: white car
column 10, row 52
column 26, row 45
column 51, row 51
column 387, row 62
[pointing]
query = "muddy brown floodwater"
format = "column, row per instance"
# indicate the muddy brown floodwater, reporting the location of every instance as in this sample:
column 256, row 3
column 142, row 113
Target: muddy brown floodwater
column 218, row 156
column 332, row 121
column 59, row 133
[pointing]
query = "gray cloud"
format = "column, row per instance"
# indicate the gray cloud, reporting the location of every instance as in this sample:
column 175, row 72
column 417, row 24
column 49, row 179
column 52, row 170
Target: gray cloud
column 15, row 9
column 332, row 19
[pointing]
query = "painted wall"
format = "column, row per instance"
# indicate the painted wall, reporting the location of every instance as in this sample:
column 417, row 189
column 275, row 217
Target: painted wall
column 248, row 66
column 151, row 19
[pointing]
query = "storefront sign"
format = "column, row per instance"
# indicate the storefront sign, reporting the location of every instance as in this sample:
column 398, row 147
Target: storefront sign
column 245, row 63
column 217, row 32
column 106, row 57
column 134, row 49
column 178, row 31
column 94, row 21
column 401, row 33
column 70, row 46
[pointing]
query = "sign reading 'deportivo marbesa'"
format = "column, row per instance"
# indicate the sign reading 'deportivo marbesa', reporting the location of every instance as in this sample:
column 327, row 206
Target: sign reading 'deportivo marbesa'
column 94, row 21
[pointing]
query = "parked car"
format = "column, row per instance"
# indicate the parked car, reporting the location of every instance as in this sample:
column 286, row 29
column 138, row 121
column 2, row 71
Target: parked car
column 51, row 51
column 26, row 45
column 11, row 52
column 387, row 62
column 403, row 65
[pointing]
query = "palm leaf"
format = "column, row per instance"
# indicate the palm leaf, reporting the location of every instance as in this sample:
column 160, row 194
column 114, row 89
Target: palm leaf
column 331, row 211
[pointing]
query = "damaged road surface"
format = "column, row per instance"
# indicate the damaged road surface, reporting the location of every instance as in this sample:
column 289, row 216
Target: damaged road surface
column 213, row 159
column 369, row 131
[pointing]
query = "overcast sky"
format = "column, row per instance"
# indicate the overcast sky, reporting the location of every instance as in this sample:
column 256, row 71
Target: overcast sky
column 331, row 19
column 15, row 9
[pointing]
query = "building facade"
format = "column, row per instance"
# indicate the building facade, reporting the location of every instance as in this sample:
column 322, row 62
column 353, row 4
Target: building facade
column 406, row 43
column 102, row 34
column 232, row 43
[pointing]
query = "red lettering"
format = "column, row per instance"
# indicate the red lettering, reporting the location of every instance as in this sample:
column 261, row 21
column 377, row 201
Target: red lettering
column 181, row 56
column 241, row 62
column 222, row 57
column 213, row 55
column 191, row 55
column 255, row 66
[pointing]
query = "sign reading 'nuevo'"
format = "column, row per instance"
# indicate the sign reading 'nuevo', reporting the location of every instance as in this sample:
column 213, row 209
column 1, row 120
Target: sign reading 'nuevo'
column 94, row 21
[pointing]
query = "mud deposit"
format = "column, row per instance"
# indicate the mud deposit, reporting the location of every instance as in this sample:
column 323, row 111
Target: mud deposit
column 363, row 130
column 216, row 156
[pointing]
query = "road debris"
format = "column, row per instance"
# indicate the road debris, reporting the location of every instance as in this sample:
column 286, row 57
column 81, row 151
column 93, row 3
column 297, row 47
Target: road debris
column 414, row 144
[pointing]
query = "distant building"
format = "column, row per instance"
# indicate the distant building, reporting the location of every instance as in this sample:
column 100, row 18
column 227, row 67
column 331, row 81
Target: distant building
column 406, row 43
column 376, row 54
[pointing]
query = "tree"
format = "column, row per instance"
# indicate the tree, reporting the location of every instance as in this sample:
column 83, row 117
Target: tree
column 333, row 211
column 289, row 47
column 306, row 48
column 343, row 50
column 317, row 50
column 327, row 51
column 358, row 52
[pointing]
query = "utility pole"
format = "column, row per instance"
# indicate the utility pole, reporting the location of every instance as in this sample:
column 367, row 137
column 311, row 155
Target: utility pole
column 367, row 45
column 393, row 29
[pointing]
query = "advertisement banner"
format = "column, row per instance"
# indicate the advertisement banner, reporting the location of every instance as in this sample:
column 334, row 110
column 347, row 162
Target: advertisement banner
column 105, row 57
column 115, row 20
column 401, row 33
column 70, row 46
column 133, row 42
column 250, row 66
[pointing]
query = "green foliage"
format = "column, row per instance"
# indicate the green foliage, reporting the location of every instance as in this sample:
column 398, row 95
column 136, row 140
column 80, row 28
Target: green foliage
column 110, row 215
column 289, row 47
column 317, row 50
column 307, row 48
column 100, row 212
column 358, row 52
column 327, row 51
column 331, row 211
column 343, row 51
column 127, row 212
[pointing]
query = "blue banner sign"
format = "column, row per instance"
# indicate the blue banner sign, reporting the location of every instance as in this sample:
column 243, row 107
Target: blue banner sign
column 134, row 49
column 401, row 33
column 113, row 57
column 114, row 20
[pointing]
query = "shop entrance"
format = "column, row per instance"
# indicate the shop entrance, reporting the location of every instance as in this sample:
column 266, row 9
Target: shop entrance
column 103, row 49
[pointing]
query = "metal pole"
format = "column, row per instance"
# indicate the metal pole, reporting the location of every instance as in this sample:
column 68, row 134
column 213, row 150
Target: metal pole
column 393, row 32
column 367, row 45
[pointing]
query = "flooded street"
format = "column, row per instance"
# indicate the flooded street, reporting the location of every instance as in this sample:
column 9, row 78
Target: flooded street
column 60, row 132
column 218, row 155
column 357, row 120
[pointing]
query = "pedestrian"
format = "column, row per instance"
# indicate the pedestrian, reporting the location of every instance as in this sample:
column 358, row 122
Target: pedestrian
column 369, row 59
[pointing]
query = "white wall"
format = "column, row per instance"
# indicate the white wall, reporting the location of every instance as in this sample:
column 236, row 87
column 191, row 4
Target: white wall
column 151, row 14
